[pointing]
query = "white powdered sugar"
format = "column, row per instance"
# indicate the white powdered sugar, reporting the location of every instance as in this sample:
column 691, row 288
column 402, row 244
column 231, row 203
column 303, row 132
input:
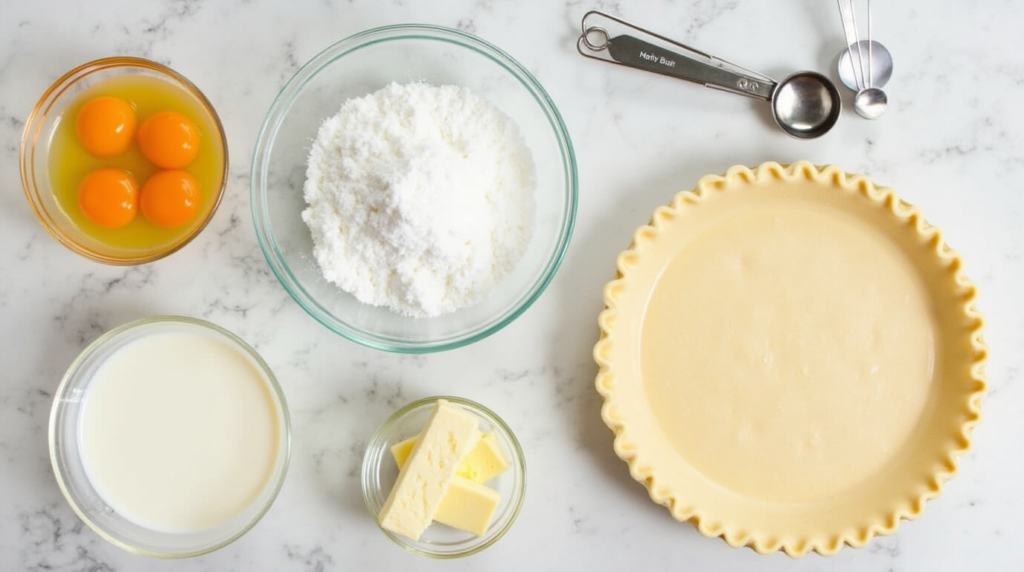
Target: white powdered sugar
column 420, row 198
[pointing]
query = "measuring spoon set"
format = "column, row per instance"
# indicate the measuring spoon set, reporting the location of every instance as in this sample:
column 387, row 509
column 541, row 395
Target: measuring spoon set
column 805, row 104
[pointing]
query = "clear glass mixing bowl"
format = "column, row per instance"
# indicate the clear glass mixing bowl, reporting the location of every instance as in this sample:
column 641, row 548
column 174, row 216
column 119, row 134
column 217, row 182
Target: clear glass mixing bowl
column 358, row 66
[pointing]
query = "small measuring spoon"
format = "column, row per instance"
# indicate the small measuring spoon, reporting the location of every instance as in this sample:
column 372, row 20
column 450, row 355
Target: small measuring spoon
column 805, row 105
column 870, row 101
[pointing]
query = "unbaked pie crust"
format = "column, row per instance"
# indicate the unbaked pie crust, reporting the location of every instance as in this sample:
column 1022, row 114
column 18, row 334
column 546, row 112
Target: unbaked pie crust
column 790, row 358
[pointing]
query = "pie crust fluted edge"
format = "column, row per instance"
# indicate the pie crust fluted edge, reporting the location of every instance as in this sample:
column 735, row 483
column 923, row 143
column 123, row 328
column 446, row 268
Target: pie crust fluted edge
column 688, row 509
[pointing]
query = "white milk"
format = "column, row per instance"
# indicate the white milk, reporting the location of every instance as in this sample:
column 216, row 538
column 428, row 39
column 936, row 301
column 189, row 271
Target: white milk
column 179, row 431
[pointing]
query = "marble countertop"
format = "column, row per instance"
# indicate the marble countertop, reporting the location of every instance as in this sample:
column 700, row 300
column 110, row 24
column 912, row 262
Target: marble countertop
column 951, row 143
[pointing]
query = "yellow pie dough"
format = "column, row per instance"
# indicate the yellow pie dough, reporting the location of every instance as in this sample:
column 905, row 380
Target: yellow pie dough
column 790, row 358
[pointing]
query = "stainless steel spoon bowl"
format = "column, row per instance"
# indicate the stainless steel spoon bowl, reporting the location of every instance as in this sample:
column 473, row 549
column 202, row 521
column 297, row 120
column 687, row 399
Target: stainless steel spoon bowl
column 870, row 103
column 880, row 65
column 806, row 105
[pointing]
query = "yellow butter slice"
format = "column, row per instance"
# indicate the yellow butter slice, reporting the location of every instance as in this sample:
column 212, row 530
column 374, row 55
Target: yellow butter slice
column 450, row 434
column 482, row 464
column 485, row 461
column 468, row 506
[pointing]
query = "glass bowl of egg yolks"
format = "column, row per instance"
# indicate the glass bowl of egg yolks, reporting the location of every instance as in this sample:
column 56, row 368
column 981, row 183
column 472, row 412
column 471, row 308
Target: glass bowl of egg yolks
column 123, row 160
column 380, row 470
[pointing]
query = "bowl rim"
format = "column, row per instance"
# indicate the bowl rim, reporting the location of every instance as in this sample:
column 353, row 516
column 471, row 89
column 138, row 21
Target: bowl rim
column 57, row 411
column 30, row 137
column 274, row 119
column 519, row 459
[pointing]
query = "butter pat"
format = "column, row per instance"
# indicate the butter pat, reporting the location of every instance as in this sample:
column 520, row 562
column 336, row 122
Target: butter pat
column 482, row 464
column 401, row 451
column 468, row 506
column 450, row 434
column 485, row 461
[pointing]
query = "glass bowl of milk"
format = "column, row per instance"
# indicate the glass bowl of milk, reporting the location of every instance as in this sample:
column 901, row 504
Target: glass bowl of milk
column 169, row 437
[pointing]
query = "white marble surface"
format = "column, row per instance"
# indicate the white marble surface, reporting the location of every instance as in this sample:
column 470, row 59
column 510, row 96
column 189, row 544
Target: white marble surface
column 951, row 143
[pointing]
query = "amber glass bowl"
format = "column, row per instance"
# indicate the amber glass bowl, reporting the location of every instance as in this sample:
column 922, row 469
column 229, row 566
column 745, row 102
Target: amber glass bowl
column 41, row 126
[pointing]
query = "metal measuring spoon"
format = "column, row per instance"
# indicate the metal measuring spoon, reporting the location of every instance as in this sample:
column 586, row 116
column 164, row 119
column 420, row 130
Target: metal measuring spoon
column 870, row 101
column 805, row 105
column 880, row 62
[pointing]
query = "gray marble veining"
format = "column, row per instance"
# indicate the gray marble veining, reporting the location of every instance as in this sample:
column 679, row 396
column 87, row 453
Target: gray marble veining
column 951, row 143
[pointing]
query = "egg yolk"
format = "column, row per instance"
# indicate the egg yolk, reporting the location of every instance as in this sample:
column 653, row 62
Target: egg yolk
column 170, row 198
column 169, row 140
column 108, row 197
column 105, row 126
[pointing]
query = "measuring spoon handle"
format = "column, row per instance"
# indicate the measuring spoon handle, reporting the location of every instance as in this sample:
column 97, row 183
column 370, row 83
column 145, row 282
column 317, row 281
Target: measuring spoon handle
column 633, row 52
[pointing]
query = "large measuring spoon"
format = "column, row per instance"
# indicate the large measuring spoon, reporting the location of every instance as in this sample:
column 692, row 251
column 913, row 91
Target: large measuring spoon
column 805, row 105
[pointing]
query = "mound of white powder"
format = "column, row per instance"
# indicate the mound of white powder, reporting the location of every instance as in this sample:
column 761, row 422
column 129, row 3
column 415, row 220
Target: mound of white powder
column 420, row 198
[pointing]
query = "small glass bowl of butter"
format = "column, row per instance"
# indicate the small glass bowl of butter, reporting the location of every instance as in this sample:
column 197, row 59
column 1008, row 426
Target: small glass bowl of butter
column 393, row 443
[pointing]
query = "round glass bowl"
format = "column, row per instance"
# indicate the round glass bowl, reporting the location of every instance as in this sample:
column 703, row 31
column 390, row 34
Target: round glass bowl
column 42, row 125
column 66, row 447
column 440, row 541
column 363, row 64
